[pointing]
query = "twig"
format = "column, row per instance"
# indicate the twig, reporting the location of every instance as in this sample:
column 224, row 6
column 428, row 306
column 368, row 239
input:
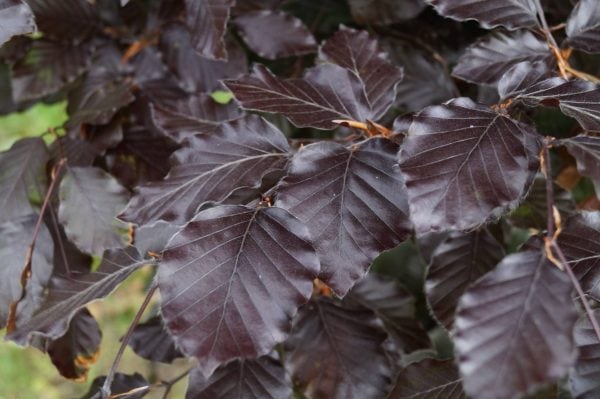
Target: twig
column 109, row 377
column 169, row 384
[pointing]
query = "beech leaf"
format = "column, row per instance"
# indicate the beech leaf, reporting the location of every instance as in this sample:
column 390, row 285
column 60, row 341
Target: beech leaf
column 583, row 26
column 464, row 165
column 384, row 12
column 429, row 379
column 583, row 378
column 231, row 280
column 512, row 14
column 275, row 34
column 513, row 328
column 456, row 264
column 151, row 341
column 209, row 168
column 336, row 353
column 121, row 385
column 16, row 18
column 254, row 378
column 353, row 202
column 90, row 200
column 207, row 21
column 586, row 150
column 522, row 76
column 486, row 61
column 66, row 19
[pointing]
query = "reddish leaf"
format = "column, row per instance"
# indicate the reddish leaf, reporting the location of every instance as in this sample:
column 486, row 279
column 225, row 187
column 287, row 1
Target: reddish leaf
column 66, row 19
column 121, row 385
column 275, row 34
column 488, row 59
column 336, row 353
column 456, row 264
column 384, row 12
column 521, row 77
column 16, row 18
column 191, row 115
column 583, row 378
column 232, row 279
column 429, row 379
column 151, row 341
column 513, row 328
column 205, row 172
column 74, row 352
column 511, row 14
column 583, row 29
column 207, row 21
column 394, row 306
column 464, row 165
column 356, row 51
column 23, row 178
column 353, row 202
column 245, row 379
column 325, row 93
column 586, row 150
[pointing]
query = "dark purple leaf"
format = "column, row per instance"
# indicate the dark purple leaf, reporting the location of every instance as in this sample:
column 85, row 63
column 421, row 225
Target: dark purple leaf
column 16, row 18
column 522, row 76
column 356, row 51
column 148, row 66
column 67, row 293
column 456, row 264
column 151, row 341
column 244, row 379
column 154, row 237
column 488, row 59
column 196, row 73
column 583, row 378
column 66, row 19
column 394, row 306
column 192, row 115
column 583, row 26
column 207, row 21
column 429, row 379
column 121, row 385
column 464, row 165
column 580, row 242
column 77, row 151
column 336, row 352
column 511, row 14
column 47, row 67
column 15, row 237
column 245, row 6
column 232, row 279
column 90, row 200
column 15, row 49
column 325, row 93
column 384, row 12
column 74, row 352
column 275, row 34
column 23, row 178
column 209, row 169
column 513, row 328
column 586, row 150
column 576, row 98
column 352, row 200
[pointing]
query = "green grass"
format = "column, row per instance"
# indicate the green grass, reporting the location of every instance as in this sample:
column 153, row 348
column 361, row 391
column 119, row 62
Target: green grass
column 32, row 122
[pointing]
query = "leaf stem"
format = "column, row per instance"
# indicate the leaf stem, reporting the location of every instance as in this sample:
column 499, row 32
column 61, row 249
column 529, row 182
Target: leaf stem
column 110, row 376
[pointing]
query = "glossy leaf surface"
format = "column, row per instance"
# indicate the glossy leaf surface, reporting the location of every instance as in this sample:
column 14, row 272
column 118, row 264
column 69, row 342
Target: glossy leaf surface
column 232, row 279
column 16, row 19
column 523, row 306
column 521, row 77
column 207, row 21
column 583, row 26
column 353, row 202
column 464, row 165
column 429, row 379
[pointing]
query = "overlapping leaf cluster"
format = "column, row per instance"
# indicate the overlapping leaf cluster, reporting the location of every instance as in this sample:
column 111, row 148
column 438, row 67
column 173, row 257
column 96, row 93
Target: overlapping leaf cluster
column 356, row 128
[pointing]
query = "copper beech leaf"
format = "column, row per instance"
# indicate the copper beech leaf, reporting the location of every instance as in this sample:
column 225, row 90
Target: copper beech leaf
column 456, row 264
column 66, row 19
column 429, row 379
column 209, row 168
column 512, row 14
column 231, row 280
column 384, row 12
column 121, row 386
column 207, row 21
column 465, row 164
column 16, row 18
column 90, row 200
column 151, row 341
column 353, row 202
column 263, row 377
column 359, row 53
column 486, row 61
column 275, row 34
column 521, row 77
column 583, row 378
column 513, row 328
column 586, row 150
column 583, row 26
column 336, row 353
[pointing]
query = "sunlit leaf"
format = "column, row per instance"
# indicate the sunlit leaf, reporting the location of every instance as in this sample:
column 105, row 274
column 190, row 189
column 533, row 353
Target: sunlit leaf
column 429, row 379
column 513, row 327
column 16, row 18
column 207, row 21
column 583, row 28
column 231, row 280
